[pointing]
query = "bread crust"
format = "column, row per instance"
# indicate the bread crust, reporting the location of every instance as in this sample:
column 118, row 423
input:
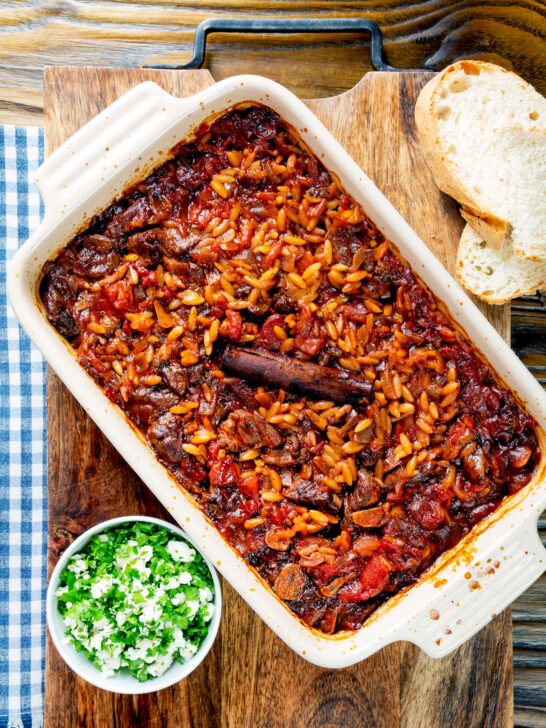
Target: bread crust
column 487, row 228
column 488, row 225
column 524, row 255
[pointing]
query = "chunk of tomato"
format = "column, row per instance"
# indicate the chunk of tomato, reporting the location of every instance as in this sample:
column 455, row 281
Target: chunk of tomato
column 371, row 582
column 268, row 338
column 121, row 295
column 232, row 326
column 224, row 472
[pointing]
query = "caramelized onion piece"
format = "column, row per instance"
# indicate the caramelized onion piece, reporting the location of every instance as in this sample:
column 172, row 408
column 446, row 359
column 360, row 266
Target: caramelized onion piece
column 290, row 583
column 371, row 517
column 278, row 539
column 331, row 589
column 366, row 544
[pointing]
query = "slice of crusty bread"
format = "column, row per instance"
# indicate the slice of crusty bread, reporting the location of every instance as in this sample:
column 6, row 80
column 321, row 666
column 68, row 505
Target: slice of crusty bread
column 524, row 155
column 456, row 114
column 496, row 276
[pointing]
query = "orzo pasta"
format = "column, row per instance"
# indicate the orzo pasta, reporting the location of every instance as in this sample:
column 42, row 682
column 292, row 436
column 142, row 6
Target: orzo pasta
column 242, row 246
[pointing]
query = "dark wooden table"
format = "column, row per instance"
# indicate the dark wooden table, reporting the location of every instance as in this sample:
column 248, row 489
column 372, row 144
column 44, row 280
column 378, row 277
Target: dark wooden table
column 427, row 35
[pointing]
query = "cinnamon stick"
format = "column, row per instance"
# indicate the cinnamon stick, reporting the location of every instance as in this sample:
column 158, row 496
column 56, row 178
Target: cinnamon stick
column 297, row 375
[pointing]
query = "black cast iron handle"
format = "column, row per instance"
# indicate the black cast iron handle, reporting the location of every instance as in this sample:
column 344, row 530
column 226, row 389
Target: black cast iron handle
column 303, row 25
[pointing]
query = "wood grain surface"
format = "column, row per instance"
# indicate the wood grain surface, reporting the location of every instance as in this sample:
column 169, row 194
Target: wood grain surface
column 427, row 34
column 251, row 678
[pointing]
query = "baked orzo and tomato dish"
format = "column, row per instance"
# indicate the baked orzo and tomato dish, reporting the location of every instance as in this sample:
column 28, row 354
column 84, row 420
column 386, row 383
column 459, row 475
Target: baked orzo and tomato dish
column 289, row 369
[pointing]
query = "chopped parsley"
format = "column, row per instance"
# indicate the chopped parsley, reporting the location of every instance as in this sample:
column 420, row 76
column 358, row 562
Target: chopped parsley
column 137, row 597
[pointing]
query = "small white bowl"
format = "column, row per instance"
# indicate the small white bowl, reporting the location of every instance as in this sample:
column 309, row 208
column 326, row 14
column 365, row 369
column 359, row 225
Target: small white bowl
column 123, row 681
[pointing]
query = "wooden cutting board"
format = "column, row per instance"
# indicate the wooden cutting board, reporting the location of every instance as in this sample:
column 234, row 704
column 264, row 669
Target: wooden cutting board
column 251, row 678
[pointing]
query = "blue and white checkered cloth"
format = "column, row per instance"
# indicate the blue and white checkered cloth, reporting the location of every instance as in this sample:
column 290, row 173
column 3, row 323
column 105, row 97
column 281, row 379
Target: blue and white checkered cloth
column 23, row 493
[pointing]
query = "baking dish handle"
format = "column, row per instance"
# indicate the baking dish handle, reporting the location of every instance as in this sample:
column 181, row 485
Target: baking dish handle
column 100, row 148
column 480, row 589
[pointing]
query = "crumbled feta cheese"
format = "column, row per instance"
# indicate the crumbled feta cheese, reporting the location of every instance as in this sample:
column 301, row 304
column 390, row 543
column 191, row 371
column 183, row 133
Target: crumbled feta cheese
column 95, row 642
column 178, row 638
column 205, row 595
column 192, row 608
column 140, row 566
column 161, row 665
column 146, row 553
column 110, row 665
column 180, row 551
column 183, row 578
column 101, row 624
column 99, row 588
column 145, row 606
column 70, row 621
column 138, row 587
column 151, row 611
column 77, row 565
column 178, row 599
column 141, row 649
column 186, row 653
column 110, row 658
column 208, row 612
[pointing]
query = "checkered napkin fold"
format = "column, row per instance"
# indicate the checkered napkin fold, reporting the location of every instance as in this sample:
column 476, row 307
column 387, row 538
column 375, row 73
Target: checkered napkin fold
column 23, row 494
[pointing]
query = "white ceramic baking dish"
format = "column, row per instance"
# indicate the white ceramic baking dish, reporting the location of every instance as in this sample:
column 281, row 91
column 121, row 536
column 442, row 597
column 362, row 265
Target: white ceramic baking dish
column 502, row 556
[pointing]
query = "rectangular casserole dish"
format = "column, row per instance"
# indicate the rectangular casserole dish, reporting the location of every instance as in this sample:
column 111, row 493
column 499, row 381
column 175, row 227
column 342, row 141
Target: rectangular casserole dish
column 503, row 554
